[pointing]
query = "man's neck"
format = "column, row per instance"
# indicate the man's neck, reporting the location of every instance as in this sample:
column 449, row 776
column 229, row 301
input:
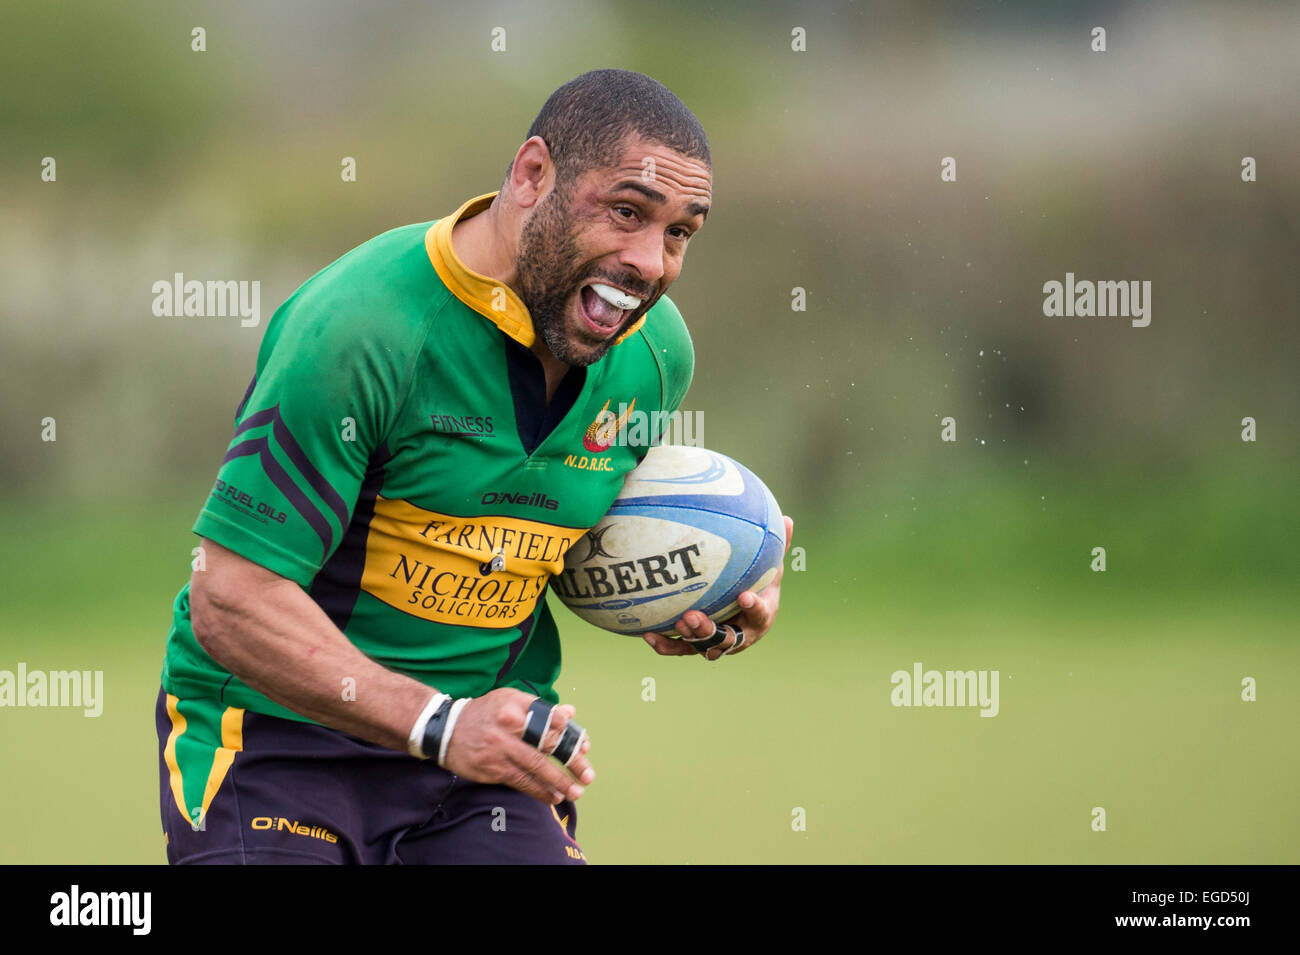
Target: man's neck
column 554, row 368
column 477, row 242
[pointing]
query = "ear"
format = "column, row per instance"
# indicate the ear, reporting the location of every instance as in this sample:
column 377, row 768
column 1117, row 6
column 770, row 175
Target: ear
column 531, row 175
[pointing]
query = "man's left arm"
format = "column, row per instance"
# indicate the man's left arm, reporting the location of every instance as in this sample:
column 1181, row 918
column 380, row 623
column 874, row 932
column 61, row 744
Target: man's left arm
column 757, row 611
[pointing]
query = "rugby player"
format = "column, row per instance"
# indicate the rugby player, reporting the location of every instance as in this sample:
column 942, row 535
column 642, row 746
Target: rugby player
column 361, row 668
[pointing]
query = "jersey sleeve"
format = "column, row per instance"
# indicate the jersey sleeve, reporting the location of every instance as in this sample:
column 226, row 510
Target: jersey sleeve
column 674, row 354
column 678, row 356
column 329, row 381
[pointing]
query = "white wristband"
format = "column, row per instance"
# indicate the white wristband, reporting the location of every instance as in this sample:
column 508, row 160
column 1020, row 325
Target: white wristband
column 451, row 725
column 415, row 742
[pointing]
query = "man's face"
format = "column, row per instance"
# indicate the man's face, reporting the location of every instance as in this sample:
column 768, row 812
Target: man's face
column 626, row 228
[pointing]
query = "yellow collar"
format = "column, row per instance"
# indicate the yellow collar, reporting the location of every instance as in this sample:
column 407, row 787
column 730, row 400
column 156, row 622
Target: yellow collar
column 492, row 299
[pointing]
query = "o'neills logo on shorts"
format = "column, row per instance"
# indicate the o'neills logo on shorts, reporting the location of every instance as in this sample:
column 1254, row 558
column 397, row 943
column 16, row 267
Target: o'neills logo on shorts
column 485, row 571
column 282, row 824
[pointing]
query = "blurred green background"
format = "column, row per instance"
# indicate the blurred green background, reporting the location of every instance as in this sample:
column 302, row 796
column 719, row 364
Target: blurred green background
column 1119, row 689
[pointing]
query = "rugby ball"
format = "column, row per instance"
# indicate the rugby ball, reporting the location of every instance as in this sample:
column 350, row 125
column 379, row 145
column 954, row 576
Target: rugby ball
column 691, row 530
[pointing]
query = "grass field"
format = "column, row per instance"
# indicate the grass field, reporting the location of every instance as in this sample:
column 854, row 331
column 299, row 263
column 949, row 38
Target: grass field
column 1119, row 690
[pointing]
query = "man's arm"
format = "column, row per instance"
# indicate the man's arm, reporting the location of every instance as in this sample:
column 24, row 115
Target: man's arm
column 672, row 348
column 267, row 630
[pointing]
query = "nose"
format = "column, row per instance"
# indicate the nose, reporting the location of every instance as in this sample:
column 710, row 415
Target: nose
column 645, row 254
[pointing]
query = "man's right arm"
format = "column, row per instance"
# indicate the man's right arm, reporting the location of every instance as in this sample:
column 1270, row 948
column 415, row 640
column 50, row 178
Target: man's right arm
column 266, row 629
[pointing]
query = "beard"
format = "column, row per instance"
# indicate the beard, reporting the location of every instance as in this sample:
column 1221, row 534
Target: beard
column 549, row 275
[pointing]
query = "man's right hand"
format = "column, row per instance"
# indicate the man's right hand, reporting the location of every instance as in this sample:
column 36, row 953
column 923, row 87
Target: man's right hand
column 487, row 746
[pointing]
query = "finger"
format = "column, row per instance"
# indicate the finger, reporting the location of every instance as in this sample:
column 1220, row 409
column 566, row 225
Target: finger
column 563, row 738
column 733, row 642
column 755, row 612
column 720, row 639
column 557, row 745
column 540, row 776
column 555, row 742
column 744, row 639
column 571, row 740
column 544, row 723
column 715, row 638
column 668, row 646
column 789, row 530
column 540, row 722
column 520, row 779
column 509, row 766
column 694, row 625
column 580, row 768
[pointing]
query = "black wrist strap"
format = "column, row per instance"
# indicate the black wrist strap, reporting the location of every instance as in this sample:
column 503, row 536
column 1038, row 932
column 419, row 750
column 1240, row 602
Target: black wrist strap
column 434, row 729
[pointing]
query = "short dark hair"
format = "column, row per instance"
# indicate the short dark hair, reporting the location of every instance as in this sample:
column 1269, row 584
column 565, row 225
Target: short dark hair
column 585, row 122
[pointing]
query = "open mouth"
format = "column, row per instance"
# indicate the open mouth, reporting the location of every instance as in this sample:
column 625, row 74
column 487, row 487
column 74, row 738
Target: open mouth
column 604, row 307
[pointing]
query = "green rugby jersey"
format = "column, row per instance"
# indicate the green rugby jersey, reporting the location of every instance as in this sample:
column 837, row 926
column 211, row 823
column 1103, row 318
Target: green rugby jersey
column 395, row 442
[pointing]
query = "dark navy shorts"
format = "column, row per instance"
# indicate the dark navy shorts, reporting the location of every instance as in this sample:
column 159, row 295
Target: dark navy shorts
column 243, row 788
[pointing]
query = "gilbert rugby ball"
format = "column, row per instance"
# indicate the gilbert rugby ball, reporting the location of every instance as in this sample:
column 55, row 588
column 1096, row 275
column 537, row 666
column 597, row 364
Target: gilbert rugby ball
column 691, row 530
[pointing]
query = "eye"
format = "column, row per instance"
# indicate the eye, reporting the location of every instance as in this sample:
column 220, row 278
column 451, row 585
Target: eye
column 682, row 234
column 629, row 209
